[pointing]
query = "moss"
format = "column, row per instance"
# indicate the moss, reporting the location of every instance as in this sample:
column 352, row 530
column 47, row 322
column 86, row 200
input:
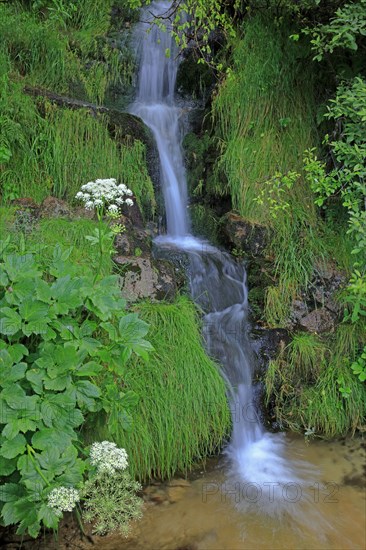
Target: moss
column 205, row 223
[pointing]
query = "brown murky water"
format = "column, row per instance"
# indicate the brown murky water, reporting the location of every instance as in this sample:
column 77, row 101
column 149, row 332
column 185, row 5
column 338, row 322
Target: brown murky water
column 328, row 512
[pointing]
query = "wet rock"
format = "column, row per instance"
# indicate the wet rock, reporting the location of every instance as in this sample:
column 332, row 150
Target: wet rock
column 52, row 207
column 179, row 483
column 245, row 236
column 125, row 128
column 320, row 320
column 136, row 238
column 159, row 496
column 317, row 309
column 267, row 343
column 175, row 494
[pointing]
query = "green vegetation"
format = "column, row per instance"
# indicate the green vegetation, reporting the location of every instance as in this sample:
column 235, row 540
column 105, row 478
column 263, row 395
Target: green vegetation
column 264, row 113
column 40, row 238
column 47, row 150
column 56, row 154
column 312, row 386
column 65, row 340
column 182, row 414
column 288, row 128
column 265, row 118
column 62, row 46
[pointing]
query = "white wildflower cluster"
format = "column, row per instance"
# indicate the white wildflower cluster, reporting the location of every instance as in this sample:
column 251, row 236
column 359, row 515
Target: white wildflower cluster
column 63, row 499
column 98, row 193
column 107, row 457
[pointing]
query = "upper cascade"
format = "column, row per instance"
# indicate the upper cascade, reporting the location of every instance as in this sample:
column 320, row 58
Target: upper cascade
column 155, row 105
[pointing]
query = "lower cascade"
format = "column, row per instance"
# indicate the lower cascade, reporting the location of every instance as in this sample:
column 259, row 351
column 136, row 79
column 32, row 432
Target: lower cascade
column 257, row 459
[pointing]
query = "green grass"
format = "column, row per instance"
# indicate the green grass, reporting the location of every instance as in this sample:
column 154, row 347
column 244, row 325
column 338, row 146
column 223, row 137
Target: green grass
column 57, row 154
column 182, row 415
column 42, row 236
column 63, row 52
column 264, row 114
column 323, row 407
column 304, row 383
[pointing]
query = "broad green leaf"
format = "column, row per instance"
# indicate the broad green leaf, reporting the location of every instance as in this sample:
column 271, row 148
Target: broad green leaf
column 20, row 267
column 57, row 384
column 43, row 291
column 89, row 369
column 87, row 328
column 13, row 447
column 14, row 396
column 10, row 492
column 10, row 321
column 33, row 310
column 20, row 425
column 86, row 393
column 7, row 466
column 13, row 374
column 35, row 377
column 37, row 327
column 49, row 437
column 132, row 329
column 17, row 352
column 48, row 516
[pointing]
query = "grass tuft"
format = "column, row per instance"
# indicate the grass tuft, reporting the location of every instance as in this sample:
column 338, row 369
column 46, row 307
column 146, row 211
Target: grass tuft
column 182, row 415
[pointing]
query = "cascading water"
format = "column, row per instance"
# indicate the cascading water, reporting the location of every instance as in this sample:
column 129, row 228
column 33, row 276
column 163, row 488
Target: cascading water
column 156, row 107
column 217, row 282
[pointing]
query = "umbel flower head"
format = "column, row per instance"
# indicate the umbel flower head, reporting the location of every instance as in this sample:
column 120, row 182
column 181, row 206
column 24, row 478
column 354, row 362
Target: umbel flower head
column 107, row 457
column 63, row 499
column 100, row 193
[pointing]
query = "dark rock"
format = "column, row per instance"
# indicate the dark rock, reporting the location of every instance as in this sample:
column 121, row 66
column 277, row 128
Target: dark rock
column 317, row 309
column 52, row 207
column 267, row 343
column 245, row 236
column 25, row 203
column 26, row 214
column 135, row 240
column 319, row 320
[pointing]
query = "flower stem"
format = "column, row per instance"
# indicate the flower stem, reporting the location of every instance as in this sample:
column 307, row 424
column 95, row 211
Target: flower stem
column 30, row 453
column 100, row 218
column 79, row 520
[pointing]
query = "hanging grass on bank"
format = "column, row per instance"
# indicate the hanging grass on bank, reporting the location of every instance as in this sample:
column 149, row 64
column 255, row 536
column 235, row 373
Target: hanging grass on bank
column 63, row 48
column 312, row 387
column 182, row 414
column 264, row 114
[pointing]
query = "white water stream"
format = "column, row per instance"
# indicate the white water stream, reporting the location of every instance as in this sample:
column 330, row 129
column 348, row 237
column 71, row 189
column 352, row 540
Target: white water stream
column 257, row 459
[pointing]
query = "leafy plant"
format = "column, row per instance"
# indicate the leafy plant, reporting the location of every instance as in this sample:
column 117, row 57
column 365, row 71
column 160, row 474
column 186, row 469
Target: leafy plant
column 275, row 192
column 359, row 366
column 111, row 502
column 343, row 31
column 64, row 338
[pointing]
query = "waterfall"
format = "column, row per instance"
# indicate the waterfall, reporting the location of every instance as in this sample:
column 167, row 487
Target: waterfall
column 155, row 105
column 217, row 282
